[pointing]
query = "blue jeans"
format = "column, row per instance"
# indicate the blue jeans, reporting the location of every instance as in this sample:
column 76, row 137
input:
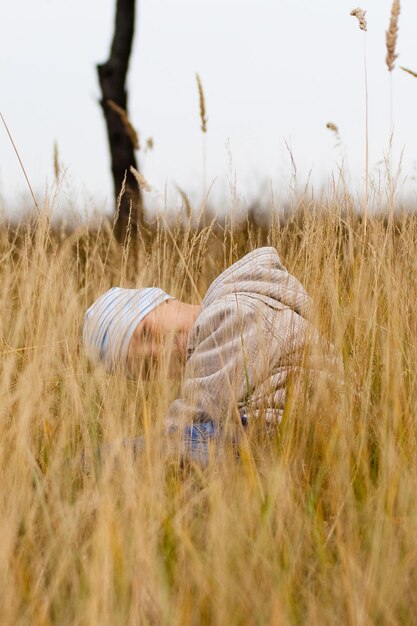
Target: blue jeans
column 197, row 436
column 194, row 441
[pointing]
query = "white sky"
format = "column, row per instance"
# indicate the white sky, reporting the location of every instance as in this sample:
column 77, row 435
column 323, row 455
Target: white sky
column 272, row 70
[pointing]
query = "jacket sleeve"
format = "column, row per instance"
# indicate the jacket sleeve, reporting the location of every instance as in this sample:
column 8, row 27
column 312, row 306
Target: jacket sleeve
column 230, row 358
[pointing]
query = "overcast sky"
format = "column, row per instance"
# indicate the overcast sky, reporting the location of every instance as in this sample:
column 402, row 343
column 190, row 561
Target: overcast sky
column 274, row 72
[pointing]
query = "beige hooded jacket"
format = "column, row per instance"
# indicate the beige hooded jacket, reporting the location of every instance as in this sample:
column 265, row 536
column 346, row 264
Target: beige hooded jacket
column 249, row 339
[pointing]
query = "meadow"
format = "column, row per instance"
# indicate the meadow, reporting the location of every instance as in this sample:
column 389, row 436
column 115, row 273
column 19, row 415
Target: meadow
column 314, row 523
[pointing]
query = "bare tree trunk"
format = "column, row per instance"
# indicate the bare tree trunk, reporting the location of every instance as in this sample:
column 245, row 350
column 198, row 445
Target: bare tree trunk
column 112, row 78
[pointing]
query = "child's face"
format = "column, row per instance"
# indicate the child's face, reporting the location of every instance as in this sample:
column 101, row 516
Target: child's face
column 156, row 344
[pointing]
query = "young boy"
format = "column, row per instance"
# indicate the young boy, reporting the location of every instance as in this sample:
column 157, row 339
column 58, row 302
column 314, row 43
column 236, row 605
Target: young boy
column 249, row 338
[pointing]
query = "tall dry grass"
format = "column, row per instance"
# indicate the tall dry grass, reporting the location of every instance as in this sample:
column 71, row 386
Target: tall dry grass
column 316, row 521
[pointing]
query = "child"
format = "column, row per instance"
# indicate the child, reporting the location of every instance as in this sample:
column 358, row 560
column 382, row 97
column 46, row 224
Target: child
column 240, row 348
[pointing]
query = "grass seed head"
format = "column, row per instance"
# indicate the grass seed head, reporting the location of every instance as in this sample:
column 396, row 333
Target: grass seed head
column 129, row 128
column 149, row 144
column 331, row 126
column 392, row 35
column 203, row 114
column 335, row 130
column 360, row 15
column 56, row 162
column 141, row 180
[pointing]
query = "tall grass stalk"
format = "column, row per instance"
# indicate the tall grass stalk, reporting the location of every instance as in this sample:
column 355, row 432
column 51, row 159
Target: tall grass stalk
column 391, row 36
column 16, row 151
column 366, row 133
column 360, row 14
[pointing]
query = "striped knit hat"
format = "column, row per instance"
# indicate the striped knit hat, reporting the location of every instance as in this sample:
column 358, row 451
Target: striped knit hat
column 110, row 322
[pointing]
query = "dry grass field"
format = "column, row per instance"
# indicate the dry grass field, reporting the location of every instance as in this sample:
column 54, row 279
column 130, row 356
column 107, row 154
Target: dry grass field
column 314, row 524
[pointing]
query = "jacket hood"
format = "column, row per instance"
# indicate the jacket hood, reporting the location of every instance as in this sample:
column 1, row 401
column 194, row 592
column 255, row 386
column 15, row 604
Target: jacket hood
column 261, row 275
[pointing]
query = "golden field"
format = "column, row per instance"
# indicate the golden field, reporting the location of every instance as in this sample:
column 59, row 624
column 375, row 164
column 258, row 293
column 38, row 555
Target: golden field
column 314, row 524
